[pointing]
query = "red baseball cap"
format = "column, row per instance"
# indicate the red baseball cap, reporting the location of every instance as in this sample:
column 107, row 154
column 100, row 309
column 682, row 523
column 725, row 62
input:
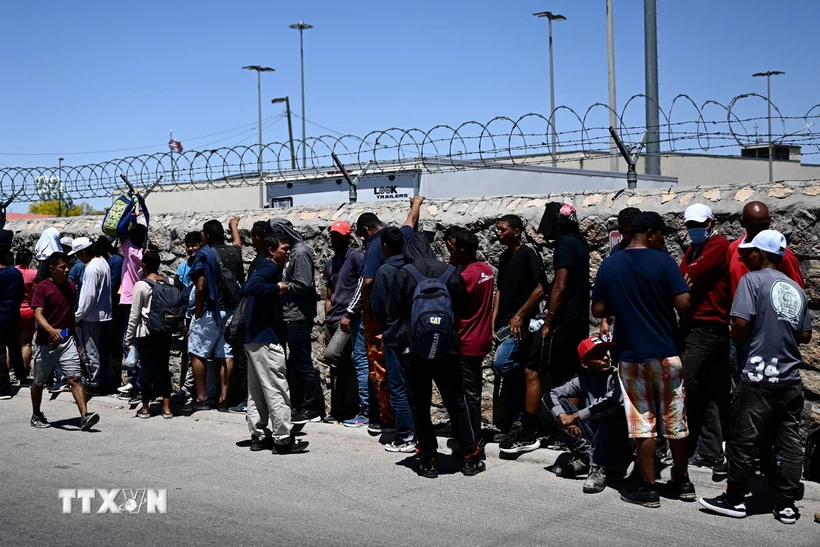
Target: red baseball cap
column 587, row 345
column 340, row 227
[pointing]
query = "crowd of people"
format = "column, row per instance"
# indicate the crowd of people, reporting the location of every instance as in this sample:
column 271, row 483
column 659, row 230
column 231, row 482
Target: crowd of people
column 688, row 356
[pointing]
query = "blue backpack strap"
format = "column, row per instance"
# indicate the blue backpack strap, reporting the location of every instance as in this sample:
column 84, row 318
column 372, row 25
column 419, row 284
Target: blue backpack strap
column 417, row 275
column 445, row 277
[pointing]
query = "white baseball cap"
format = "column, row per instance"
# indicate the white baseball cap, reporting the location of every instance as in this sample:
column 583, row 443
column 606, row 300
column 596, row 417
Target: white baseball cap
column 770, row 241
column 80, row 244
column 697, row 213
column 68, row 241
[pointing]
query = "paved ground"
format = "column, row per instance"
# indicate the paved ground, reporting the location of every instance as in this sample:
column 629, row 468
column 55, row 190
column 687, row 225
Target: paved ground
column 345, row 491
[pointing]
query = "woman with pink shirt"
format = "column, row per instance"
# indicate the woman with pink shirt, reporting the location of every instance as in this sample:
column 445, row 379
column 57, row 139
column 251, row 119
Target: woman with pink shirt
column 22, row 262
column 132, row 249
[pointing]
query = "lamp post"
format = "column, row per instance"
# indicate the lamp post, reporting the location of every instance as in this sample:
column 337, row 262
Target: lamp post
column 286, row 100
column 60, row 190
column 610, row 54
column 552, row 17
column 768, row 76
column 259, row 70
column 301, row 26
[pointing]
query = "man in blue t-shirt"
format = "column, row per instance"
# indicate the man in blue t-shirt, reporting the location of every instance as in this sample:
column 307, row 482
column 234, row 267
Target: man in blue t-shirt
column 643, row 288
column 770, row 318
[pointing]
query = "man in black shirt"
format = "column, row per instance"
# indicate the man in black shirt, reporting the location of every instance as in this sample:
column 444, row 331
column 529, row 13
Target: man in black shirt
column 445, row 372
column 554, row 355
column 520, row 289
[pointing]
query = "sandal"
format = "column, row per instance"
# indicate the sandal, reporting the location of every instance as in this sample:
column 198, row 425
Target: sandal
column 167, row 415
column 143, row 415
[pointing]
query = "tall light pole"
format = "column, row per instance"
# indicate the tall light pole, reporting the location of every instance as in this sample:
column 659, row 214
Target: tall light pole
column 653, row 137
column 301, row 26
column 768, row 76
column 259, row 70
column 286, row 100
column 552, row 17
column 610, row 53
column 60, row 190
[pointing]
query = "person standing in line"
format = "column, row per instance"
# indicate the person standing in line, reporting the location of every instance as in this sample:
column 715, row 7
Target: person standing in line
column 475, row 327
column 53, row 301
column 115, row 333
column 193, row 242
column 553, row 358
column 12, row 294
column 154, row 347
column 132, row 249
column 77, row 271
column 49, row 243
column 770, row 319
column 299, row 304
column 705, row 353
column 269, row 396
column 341, row 276
column 93, row 313
column 392, row 241
column 23, row 262
column 520, row 289
column 642, row 289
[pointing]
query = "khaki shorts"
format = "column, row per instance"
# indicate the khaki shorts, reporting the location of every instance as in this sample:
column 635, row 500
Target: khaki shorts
column 62, row 355
column 651, row 388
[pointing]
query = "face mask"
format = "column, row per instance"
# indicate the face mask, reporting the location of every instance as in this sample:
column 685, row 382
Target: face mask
column 698, row 235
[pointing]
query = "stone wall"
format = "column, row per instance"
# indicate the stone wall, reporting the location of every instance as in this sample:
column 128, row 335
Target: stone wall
column 794, row 208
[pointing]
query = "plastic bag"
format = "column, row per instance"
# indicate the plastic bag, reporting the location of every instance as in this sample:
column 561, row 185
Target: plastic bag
column 132, row 358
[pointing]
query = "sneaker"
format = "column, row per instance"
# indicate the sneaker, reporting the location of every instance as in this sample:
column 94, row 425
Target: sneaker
column 699, row 461
column 357, row 421
column 293, row 447
column 223, row 406
column 501, row 437
column 241, row 408
column 60, row 387
column 126, row 388
column 261, row 444
column 644, row 494
column 305, row 416
column 580, row 466
column 136, row 398
column 518, row 444
column 329, row 419
column 5, row 396
column 143, row 415
column 720, row 470
column 188, row 408
column 787, row 515
column 376, row 429
column 39, row 421
column 201, row 406
column 89, row 420
column 681, row 487
column 401, row 445
column 722, row 506
column 596, row 480
column 443, row 429
column 427, row 469
column 473, row 466
column 124, row 396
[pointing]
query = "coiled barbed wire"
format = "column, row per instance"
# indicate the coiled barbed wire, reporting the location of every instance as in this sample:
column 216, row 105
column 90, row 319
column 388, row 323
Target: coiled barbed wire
column 500, row 141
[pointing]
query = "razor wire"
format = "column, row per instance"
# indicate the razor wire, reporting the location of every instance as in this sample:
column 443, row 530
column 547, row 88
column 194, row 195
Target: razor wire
column 710, row 127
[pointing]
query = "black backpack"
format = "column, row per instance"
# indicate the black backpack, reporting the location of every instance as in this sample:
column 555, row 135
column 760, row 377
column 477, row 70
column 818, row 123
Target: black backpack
column 235, row 325
column 432, row 332
column 229, row 288
column 168, row 307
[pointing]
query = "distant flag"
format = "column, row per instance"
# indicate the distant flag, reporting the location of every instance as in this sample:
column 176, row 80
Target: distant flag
column 175, row 146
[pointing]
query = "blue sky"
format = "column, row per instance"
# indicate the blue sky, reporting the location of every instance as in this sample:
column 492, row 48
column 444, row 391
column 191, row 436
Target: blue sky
column 91, row 76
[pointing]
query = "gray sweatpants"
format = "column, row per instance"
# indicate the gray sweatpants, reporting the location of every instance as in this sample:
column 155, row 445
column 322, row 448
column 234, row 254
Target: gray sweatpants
column 89, row 335
column 269, row 400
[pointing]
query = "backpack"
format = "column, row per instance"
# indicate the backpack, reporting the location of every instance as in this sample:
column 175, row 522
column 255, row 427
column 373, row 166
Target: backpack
column 432, row 329
column 229, row 288
column 168, row 307
column 122, row 216
column 235, row 325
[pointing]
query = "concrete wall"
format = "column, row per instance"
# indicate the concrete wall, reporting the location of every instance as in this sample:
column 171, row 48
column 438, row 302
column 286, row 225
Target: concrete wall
column 795, row 210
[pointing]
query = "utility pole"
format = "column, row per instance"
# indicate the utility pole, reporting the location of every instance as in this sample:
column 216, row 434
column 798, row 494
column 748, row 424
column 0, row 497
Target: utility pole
column 286, row 100
column 613, row 105
column 60, row 190
column 768, row 76
column 552, row 17
column 301, row 26
column 653, row 145
column 259, row 70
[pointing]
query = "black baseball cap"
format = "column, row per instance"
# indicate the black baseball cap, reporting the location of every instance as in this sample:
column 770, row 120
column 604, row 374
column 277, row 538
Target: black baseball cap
column 650, row 220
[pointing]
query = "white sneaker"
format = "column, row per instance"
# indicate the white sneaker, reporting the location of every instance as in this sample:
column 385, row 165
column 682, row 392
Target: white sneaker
column 399, row 445
column 126, row 388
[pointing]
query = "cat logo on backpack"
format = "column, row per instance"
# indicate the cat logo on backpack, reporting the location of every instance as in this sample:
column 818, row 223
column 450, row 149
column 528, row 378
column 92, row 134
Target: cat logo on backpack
column 435, row 320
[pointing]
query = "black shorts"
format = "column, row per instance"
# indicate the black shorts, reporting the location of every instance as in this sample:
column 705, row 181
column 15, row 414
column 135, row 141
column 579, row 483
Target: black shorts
column 556, row 356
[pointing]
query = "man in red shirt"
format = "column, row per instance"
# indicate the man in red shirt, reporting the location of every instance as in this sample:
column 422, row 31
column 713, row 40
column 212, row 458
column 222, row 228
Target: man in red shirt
column 705, row 353
column 475, row 326
column 755, row 219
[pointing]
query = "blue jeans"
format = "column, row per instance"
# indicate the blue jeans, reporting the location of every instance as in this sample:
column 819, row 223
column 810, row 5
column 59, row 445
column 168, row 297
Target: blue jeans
column 510, row 359
column 398, row 392
column 368, row 406
column 601, row 440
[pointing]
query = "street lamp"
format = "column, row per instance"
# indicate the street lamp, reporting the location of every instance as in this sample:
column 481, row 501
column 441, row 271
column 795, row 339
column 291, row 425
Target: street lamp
column 60, row 190
column 286, row 100
column 552, row 17
column 768, row 76
column 259, row 70
column 301, row 26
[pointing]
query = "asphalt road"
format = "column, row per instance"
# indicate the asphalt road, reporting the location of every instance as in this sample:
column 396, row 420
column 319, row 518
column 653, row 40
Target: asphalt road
column 345, row 491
